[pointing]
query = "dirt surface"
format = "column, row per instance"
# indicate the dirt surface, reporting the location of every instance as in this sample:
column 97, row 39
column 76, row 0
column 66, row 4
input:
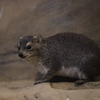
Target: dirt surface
column 46, row 18
column 46, row 91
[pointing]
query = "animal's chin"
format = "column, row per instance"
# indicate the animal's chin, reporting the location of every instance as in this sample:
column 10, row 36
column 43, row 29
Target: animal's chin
column 27, row 57
column 32, row 60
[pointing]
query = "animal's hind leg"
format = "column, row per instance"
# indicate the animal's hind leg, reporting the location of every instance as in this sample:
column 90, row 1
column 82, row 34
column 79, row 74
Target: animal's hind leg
column 80, row 82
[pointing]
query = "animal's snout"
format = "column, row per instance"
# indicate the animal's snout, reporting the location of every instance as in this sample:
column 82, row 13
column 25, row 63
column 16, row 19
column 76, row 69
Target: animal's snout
column 21, row 55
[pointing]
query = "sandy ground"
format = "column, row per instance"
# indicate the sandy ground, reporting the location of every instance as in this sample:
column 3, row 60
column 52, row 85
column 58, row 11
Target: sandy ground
column 24, row 90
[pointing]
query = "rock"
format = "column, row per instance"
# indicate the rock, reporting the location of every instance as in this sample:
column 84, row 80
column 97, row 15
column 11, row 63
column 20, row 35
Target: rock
column 71, row 86
column 46, row 17
column 45, row 91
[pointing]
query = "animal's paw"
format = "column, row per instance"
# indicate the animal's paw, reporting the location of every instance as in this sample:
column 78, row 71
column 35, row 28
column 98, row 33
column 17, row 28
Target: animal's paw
column 40, row 81
column 80, row 82
column 37, row 82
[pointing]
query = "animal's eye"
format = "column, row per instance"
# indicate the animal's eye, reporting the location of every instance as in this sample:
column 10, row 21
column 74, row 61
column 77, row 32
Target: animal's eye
column 28, row 47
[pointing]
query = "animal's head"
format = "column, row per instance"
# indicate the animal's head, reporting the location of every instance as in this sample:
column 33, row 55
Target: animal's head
column 29, row 46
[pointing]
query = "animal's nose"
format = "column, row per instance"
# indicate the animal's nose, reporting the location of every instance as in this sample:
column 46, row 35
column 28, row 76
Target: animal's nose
column 21, row 55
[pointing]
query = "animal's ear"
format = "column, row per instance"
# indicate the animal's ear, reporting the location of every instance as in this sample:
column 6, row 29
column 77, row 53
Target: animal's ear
column 20, row 37
column 37, row 39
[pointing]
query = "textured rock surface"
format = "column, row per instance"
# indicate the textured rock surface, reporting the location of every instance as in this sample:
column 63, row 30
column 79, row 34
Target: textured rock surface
column 45, row 91
column 46, row 17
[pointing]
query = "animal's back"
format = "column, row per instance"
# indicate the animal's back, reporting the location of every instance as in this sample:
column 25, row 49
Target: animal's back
column 72, row 45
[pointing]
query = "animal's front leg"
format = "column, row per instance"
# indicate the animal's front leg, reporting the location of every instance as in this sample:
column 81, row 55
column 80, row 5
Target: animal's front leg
column 46, row 76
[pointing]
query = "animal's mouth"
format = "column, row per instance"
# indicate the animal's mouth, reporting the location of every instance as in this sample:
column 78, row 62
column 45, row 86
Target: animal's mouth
column 25, row 56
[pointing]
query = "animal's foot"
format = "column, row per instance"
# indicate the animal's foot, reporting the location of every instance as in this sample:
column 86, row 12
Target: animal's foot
column 40, row 81
column 80, row 82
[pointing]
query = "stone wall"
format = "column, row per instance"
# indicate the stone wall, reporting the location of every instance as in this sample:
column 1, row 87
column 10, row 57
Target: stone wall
column 41, row 17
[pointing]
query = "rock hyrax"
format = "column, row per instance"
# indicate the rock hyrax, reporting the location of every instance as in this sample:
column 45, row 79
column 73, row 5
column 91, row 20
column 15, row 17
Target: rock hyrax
column 66, row 54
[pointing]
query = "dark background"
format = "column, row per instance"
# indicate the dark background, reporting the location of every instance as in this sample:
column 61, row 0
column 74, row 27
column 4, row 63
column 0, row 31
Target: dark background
column 41, row 17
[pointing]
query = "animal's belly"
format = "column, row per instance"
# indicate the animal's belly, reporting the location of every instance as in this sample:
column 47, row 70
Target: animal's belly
column 72, row 72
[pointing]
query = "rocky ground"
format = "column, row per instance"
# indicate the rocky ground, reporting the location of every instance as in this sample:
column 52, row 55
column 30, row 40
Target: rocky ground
column 47, row 91
column 43, row 17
